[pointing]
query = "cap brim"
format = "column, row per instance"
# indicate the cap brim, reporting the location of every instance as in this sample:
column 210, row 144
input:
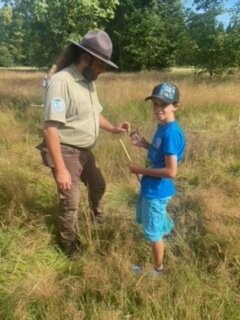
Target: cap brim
column 163, row 99
column 109, row 62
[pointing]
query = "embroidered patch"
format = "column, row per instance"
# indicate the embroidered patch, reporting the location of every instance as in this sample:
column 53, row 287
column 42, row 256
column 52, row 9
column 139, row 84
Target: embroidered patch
column 57, row 105
column 168, row 91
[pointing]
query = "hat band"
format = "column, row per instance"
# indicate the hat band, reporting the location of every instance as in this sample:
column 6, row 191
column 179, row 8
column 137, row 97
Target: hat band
column 95, row 51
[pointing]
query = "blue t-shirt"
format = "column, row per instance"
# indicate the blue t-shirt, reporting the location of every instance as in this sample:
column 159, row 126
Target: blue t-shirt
column 168, row 140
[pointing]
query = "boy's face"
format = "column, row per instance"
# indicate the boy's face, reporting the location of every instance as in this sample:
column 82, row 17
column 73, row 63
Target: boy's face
column 163, row 112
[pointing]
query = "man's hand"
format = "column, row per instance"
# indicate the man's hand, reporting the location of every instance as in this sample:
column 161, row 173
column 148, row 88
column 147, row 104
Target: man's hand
column 63, row 179
column 122, row 127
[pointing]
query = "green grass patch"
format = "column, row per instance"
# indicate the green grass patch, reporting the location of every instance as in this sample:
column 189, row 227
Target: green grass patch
column 203, row 255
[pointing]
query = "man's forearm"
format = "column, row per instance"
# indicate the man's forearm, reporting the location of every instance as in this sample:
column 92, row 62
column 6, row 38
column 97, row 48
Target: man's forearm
column 54, row 148
column 105, row 124
column 122, row 127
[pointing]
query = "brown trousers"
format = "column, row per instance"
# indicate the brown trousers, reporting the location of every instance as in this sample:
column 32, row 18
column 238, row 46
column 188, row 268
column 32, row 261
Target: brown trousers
column 82, row 166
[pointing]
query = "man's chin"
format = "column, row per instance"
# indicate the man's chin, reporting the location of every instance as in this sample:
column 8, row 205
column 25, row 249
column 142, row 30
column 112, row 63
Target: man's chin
column 89, row 76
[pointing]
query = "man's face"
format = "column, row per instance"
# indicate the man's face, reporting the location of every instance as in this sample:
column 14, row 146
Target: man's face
column 94, row 68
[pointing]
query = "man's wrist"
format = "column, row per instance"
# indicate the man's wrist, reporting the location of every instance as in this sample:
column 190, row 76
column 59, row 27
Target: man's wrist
column 113, row 130
column 60, row 168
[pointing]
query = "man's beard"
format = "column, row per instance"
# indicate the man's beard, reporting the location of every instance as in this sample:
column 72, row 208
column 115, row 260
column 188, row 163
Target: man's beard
column 88, row 74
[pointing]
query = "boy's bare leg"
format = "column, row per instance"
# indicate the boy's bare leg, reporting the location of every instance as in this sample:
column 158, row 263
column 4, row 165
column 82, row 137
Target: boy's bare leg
column 158, row 252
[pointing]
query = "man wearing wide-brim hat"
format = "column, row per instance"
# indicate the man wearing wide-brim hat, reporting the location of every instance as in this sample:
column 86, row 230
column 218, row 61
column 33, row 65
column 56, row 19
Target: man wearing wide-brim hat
column 72, row 118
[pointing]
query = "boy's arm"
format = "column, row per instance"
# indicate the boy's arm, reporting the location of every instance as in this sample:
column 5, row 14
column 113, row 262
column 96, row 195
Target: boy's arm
column 170, row 171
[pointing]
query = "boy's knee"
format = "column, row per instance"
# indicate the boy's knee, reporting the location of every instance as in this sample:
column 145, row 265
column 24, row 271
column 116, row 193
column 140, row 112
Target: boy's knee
column 152, row 236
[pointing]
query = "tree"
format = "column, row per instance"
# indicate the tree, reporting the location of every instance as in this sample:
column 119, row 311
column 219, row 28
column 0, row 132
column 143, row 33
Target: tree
column 233, row 30
column 209, row 36
column 145, row 32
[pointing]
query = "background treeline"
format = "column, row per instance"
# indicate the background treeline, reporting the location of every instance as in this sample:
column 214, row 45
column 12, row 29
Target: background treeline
column 147, row 34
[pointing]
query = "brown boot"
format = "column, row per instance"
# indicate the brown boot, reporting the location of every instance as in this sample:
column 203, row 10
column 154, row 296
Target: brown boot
column 72, row 248
column 98, row 218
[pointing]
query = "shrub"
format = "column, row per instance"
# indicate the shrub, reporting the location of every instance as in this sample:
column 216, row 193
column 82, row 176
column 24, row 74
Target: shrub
column 6, row 59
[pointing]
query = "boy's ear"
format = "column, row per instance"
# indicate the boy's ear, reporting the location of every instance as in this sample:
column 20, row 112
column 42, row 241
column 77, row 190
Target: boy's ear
column 176, row 105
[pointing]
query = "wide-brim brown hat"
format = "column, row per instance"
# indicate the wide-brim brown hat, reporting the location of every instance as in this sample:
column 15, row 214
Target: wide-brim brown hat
column 98, row 44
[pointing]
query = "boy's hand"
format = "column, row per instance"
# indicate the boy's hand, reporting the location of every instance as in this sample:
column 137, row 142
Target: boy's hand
column 137, row 140
column 136, row 169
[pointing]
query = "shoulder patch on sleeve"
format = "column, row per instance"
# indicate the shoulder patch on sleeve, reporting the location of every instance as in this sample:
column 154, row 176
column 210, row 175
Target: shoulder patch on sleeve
column 57, row 104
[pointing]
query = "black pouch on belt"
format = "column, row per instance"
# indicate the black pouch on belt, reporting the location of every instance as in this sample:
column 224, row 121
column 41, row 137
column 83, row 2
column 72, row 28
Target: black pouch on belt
column 46, row 157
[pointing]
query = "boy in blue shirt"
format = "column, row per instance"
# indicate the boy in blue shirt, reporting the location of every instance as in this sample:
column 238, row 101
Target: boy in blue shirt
column 157, row 184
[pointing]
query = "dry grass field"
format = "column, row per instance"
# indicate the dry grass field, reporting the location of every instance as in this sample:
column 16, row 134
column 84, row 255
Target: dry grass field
column 38, row 282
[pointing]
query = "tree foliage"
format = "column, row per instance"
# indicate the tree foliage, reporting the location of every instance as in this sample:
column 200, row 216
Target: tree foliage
column 146, row 34
column 45, row 26
column 209, row 37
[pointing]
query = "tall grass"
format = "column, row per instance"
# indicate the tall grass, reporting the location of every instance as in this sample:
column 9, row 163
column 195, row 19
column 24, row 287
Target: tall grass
column 203, row 257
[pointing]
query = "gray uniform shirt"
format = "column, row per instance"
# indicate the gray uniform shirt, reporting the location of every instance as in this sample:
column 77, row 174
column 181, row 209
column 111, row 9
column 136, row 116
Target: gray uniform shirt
column 73, row 102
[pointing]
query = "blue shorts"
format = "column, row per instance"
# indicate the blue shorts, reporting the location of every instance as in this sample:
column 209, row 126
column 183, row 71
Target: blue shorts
column 152, row 214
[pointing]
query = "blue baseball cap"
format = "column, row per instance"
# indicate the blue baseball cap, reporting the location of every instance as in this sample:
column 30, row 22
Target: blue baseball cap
column 166, row 92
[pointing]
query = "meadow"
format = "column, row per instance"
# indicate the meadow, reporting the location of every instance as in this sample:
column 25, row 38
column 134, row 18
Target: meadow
column 38, row 282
